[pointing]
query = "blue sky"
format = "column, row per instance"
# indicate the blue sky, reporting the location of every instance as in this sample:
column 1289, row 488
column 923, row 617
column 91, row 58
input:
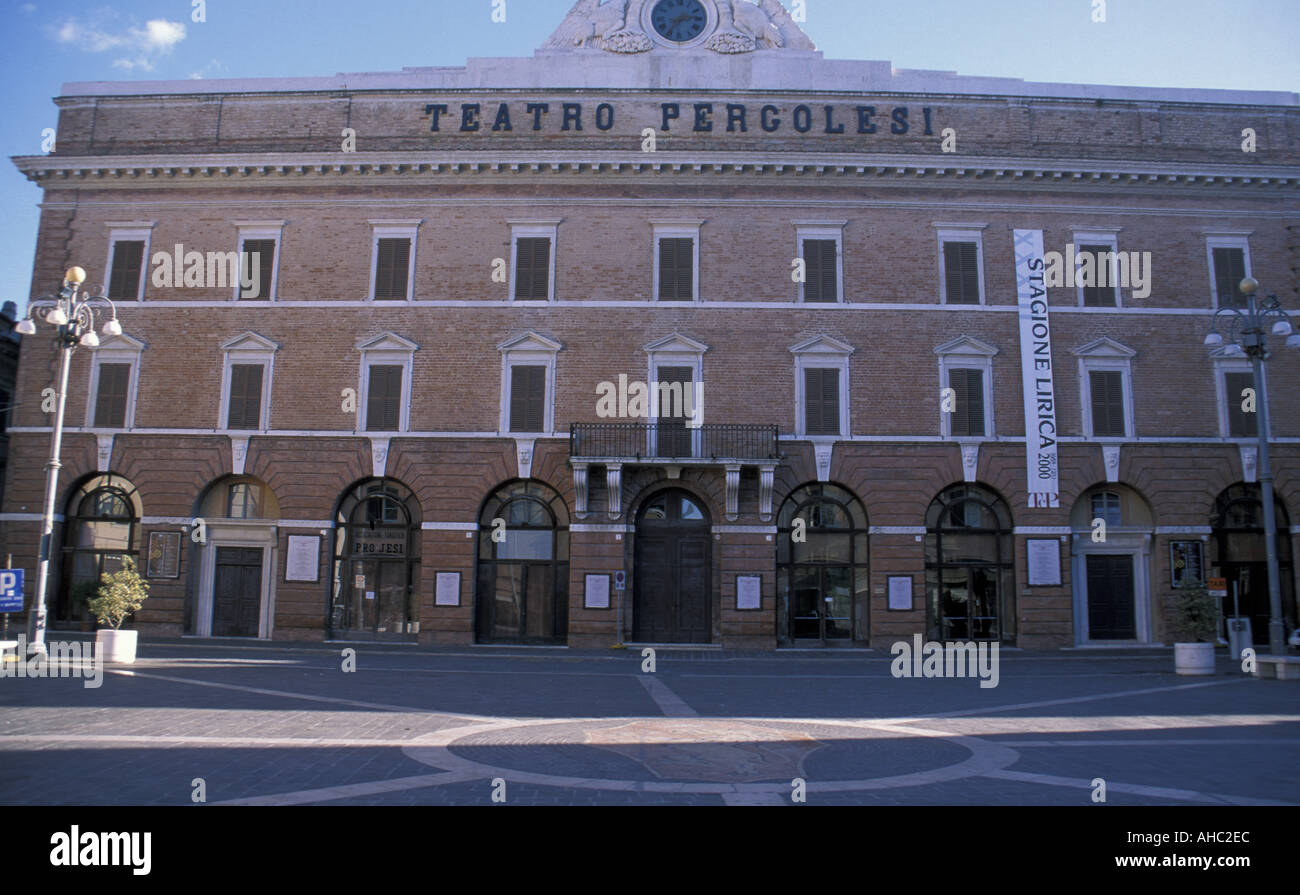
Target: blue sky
column 1244, row 44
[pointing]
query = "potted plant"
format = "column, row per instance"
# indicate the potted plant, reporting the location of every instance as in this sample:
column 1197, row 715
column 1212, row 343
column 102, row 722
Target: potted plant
column 1194, row 621
column 120, row 594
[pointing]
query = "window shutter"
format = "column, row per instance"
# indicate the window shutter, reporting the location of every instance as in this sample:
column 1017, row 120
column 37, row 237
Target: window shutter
column 968, row 414
column 1107, row 387
column 265, row 251
column 822, row 401
column 391, row 268
column 1229, row 271
column 819, row 257
column 961, row 272
column 124, row 282
column 532, row 268
column 676, row 269
column 1099, row 296
column 245, row 396
column 110, row 397
column 384, row 402
column 527, row 398
column 1240, row 423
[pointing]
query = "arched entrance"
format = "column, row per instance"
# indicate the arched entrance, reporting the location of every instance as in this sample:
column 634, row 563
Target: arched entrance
column 237, row 559
column 970, row 566
column 103, row 522
column 822, row 582
column 376, row 563
column 523, row 566
column 1112, row 531
column 672, row 601
column 1240, row 556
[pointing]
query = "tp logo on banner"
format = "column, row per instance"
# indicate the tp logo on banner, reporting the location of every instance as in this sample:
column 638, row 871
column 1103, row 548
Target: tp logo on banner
column 1036, row 372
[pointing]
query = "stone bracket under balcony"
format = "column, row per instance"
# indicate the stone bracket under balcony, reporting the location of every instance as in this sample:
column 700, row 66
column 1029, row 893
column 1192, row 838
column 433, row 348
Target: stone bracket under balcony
column 673, row 445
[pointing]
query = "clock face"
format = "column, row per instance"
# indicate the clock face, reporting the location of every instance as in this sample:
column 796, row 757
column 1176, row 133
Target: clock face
column 679, row 20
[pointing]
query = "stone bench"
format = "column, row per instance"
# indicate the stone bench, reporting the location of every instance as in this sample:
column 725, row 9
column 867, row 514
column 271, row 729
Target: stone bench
column 1279, row 667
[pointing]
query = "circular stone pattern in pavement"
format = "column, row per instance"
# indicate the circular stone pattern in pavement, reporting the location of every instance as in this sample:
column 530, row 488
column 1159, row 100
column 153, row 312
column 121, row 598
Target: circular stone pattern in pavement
column 709, row 755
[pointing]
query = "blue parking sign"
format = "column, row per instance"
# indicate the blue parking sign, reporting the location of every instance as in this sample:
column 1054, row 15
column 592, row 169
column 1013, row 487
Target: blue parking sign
column 11, row 590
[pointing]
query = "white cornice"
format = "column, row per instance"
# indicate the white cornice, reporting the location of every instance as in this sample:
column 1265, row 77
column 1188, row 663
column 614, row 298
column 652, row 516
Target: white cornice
column 137, row 171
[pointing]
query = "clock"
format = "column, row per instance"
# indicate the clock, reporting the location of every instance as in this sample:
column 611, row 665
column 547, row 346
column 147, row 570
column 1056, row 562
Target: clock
column 679, row 21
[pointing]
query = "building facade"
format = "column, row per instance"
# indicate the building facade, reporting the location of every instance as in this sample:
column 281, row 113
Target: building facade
column 676, row 332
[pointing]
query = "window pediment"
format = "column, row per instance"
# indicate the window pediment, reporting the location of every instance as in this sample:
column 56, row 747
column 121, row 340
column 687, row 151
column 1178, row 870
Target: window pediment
column 968, row 346
column 1104, row 347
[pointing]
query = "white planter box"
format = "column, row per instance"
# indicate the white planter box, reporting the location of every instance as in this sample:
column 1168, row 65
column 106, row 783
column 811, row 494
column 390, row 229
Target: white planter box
column 117, row 646
column 1194, row 658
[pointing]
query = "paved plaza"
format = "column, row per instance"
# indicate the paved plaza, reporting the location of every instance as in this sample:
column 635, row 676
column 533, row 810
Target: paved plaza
column 284, row 724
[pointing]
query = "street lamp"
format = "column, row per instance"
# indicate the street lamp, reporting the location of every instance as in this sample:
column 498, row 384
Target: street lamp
column 1247, row 328
column 73, row 314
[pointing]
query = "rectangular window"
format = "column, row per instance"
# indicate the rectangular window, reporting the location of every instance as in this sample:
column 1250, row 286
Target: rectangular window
column 527, row 398
column 1106, row 505
column 961, row 273
column 384, row 398
column 1107, row 390
column 128, row 261
column 264, row 250
column 1229, row 271
column 677, row 269
column 1241, row 423
column 821, row 282
column 245, row 409
column 392, row 266
column 1100, row 296
column 111, row 395
column 532, row 268
column 822, row 401
column 968, row 410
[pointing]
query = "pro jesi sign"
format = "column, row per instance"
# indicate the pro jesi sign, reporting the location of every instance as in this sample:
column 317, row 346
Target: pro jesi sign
column 1036, row 372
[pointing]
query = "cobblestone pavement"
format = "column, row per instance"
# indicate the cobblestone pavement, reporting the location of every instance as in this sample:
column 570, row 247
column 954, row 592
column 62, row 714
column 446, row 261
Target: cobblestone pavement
column 285, row 724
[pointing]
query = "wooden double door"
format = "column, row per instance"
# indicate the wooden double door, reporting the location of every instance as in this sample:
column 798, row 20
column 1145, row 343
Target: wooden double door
column 672, row 600
column 1111, row 605
column 237, row 592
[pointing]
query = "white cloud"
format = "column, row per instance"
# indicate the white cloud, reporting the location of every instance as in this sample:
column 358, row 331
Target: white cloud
column 140, row 46
column 212, row 67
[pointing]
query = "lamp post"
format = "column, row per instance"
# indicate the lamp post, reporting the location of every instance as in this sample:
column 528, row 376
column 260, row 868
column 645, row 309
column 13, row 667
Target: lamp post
column 1247, row 335
column 72, row 313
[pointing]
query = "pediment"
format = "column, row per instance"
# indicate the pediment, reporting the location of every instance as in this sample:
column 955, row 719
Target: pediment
column 529, row 341
column 822, row 345
column 1104, row 347
column 676, row 343
column 250, row 341
column 387, row 341
column 119, row 343
column 968, row 346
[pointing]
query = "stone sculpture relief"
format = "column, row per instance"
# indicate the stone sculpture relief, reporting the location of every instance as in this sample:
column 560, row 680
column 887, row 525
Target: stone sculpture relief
column 615, row 26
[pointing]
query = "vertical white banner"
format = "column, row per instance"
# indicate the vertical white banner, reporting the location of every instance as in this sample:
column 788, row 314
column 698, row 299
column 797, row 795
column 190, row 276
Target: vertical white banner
column 1036, row 372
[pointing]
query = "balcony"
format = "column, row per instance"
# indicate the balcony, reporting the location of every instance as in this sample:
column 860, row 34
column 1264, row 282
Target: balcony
column 672, row 444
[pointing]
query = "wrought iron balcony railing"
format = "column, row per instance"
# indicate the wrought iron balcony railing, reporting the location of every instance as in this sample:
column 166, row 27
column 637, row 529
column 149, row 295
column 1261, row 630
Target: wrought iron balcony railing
column 673, row 440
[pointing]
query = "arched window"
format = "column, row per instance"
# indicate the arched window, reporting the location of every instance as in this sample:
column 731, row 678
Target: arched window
column 523, row 566
column 1241, row 557
column 103, row 521
column 822, row 582
column 969, row 566
column 376, row 563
